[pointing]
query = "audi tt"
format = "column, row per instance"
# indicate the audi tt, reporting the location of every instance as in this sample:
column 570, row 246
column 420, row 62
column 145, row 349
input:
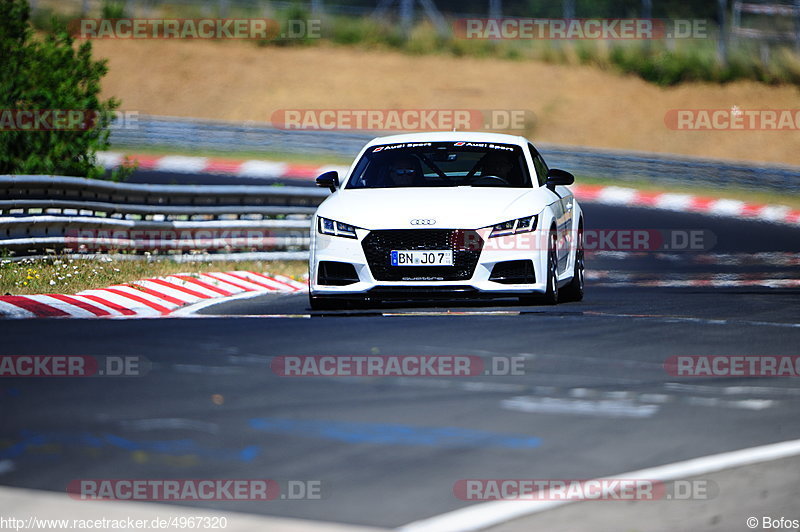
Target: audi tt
column 447, row 215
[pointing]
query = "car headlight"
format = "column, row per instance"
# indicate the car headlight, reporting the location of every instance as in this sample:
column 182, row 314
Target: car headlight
column 334, row 228
column 511, row 227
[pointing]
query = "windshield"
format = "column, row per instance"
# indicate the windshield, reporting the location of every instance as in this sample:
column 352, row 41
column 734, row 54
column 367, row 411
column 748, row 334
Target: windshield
column 441, row 164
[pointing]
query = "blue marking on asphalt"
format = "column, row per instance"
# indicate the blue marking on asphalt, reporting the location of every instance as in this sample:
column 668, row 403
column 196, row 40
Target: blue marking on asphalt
column 85, row 439
column 393, row 434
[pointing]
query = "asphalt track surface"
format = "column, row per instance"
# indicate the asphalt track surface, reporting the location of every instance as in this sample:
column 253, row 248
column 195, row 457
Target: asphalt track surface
column 594, row 400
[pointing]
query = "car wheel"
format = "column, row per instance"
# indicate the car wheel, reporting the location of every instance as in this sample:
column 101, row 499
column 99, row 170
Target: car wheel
column 551, row 295
column 574, row 290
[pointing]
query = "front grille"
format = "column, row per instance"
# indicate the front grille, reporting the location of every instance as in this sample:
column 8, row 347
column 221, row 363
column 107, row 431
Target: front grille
column 465, row 244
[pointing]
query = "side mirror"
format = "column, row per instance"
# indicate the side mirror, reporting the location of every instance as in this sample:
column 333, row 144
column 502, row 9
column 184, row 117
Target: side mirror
column 556, row 177
column 329, row 180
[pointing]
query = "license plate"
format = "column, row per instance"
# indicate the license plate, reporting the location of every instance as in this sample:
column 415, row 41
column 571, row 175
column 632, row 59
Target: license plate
column 432, row 257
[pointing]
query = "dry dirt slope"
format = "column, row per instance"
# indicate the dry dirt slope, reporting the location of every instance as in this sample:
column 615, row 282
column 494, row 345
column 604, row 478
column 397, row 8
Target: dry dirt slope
column 573, row 105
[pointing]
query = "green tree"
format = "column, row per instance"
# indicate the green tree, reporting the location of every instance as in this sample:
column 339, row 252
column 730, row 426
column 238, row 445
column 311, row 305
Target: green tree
column 49, row 73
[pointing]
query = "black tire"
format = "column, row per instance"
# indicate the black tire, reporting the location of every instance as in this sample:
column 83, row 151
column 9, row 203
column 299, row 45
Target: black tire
column 551, row 295
column 574, row 290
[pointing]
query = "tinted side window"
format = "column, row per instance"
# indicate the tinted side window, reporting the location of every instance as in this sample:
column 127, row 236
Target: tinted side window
column 539, row 164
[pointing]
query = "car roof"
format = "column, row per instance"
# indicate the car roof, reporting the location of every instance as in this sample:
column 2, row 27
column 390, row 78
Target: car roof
column 450, row 136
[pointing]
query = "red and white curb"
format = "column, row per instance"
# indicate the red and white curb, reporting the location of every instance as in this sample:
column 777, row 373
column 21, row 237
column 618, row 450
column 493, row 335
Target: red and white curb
column 610, row 195
column 258, row 169
column 160, row 296
column 686, row 203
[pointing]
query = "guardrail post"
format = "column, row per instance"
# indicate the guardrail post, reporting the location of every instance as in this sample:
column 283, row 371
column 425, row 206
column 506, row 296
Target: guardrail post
column 647, row 13
column 647, row 9
column 764, row 53
column 568, row 7
column 722, row 38
column 406, row 16
column 495, row 8
column 797, row 26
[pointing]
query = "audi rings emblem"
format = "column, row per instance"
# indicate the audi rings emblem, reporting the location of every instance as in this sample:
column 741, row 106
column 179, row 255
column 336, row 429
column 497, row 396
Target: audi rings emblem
column 423, row 221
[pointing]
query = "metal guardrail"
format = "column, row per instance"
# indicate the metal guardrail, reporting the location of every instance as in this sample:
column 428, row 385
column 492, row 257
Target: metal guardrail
column 40, row 213
column 610, row 164
column 671, row 169
column 789, row 12
column 190, row 133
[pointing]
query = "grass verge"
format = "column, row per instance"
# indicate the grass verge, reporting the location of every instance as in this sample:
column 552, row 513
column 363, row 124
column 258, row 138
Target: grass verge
column 662, row 62
column 69, row 276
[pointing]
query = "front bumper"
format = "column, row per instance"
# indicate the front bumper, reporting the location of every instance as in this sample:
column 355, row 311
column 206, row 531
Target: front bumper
column 475, row 284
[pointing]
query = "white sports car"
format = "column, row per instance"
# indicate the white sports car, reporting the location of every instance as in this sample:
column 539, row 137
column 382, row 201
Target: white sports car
column 443, row 215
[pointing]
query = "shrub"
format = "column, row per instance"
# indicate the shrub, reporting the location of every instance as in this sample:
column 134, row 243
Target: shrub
column 50, row 73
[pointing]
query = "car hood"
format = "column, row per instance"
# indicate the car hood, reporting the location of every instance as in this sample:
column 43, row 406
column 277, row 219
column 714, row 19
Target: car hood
column 450, row 207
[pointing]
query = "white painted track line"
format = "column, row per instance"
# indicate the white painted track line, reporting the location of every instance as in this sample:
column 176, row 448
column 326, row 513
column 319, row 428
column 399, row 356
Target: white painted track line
column 487, row 514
